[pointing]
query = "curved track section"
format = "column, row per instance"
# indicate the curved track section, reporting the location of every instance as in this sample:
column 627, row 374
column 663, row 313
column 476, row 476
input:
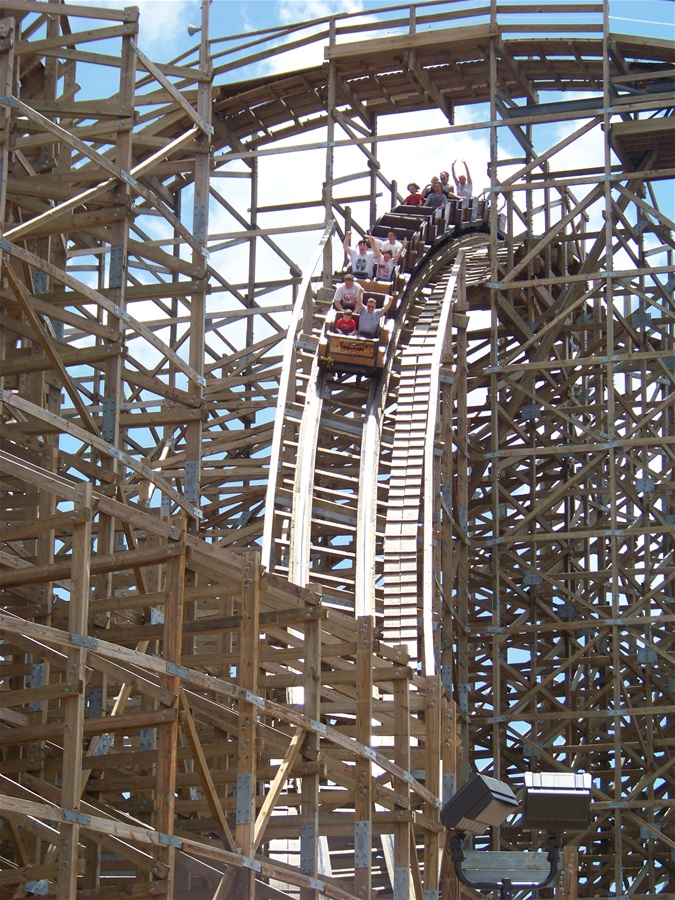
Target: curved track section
column 409, row 535
column 352, row 508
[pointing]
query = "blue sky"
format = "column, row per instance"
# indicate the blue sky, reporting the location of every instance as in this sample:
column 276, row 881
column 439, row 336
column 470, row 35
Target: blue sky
column 164, row 22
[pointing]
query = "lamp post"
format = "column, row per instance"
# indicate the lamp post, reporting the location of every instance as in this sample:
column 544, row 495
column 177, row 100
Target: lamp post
column 554, row 802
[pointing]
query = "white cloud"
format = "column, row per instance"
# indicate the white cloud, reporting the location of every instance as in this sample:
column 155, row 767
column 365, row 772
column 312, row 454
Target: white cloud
column 292, row 11
column 162, row 24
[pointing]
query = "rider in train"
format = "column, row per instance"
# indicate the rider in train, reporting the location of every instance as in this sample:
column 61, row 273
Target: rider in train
column 369, row 316
column 362, row 259
column 347, row 294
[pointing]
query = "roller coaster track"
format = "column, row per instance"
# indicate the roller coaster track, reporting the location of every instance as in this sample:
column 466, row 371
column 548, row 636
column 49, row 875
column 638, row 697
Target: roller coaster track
column 352, row 477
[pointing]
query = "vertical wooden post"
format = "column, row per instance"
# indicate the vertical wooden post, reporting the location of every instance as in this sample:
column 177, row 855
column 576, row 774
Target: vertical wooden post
column 432, row 845
column 373, row 170
column 167, row 736
column 309, row 823
column 459, row 619
column 402, row 758
column 363, row 839
column 7, row 36
column 78, row 613
column 248, row 715
column 330, row 158
column 193, row 453
column 567, row 882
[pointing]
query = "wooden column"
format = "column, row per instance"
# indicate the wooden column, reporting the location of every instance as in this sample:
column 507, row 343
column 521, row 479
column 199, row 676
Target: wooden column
column 566, row 884
column 460, row 511
column 363, row 838
column 330, row 159
column 78, row 612
column 7, row 40
column 167, row 735
column 199, row 260
column 432, row 841
column 309, row 822
column 248, row 713
column 402, row 881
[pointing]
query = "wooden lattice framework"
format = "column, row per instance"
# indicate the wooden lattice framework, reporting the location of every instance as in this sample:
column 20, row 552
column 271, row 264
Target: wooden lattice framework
column 176, row 720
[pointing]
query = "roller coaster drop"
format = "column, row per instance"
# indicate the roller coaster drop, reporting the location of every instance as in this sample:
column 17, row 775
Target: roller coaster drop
column 320, row 485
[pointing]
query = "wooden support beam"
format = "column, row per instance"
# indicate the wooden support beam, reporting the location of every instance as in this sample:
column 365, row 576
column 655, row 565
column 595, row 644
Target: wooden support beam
column 433, row 837
column 167, row 735
column 248, row 718
column 402, row 880
column 363, row 826
column 73, row 735
column 310, row 838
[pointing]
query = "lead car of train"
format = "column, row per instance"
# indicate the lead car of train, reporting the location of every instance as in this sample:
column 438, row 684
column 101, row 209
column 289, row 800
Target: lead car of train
column 355, row 354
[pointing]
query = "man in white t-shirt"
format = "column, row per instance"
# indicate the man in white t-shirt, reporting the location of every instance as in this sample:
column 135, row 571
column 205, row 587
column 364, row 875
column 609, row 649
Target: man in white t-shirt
column 392, row 244
column 348, row 294
column 361, row 260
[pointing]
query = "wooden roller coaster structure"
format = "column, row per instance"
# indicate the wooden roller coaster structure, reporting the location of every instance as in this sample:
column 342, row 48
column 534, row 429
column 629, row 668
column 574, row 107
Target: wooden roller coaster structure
column 260, row 617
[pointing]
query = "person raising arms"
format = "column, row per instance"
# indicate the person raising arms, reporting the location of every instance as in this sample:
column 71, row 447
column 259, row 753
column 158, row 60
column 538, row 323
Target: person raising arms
column 463, row 185
column 369, row 316
column 361, row 260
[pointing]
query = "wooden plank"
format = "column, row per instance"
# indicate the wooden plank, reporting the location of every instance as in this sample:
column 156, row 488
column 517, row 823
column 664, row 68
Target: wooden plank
column 67, row 40
column 441, row 37
column 130, row 14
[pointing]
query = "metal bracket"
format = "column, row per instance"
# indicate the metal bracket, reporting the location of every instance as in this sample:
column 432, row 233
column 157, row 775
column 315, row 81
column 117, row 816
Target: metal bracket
column 82, row 640
column 70, row 815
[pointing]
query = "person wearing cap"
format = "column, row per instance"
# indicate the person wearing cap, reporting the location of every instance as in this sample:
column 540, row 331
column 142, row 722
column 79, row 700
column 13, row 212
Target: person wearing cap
column 362, row 259
column 347, row 294
column 346, row 324
column 369, row 316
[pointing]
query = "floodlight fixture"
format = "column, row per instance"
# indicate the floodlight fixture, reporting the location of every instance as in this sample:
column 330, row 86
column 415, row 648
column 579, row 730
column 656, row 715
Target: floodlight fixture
column 482, row 802
column 557, row 801
column 554, row 802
